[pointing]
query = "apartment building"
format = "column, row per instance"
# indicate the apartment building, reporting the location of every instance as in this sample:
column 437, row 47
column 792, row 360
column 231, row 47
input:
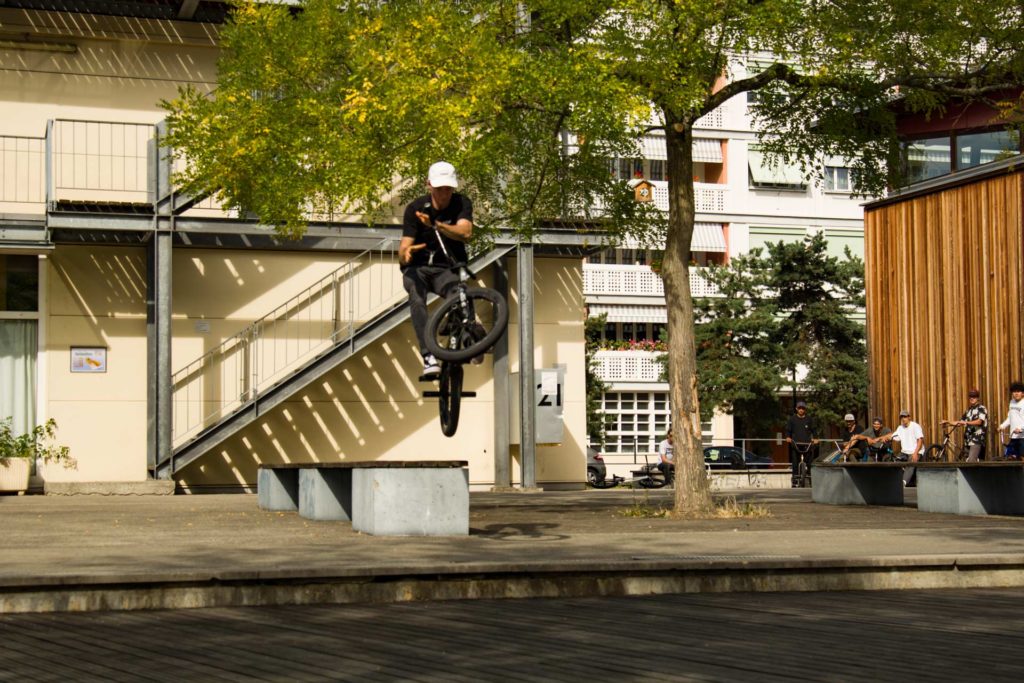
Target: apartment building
column 171, row 339
column 743, row 202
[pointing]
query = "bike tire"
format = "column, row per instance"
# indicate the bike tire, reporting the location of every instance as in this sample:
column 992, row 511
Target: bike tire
column 935, row 453
column 655, row 479
column 803, row 475
column 466, row 348
column 450, row 397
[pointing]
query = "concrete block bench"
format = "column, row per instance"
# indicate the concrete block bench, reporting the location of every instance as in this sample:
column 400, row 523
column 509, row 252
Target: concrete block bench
column 857, row 483
column 386, row 498
column 971, row 488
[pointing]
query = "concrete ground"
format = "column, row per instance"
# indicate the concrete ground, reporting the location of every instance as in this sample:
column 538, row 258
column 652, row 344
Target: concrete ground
column 97, row 552
column 973, row 635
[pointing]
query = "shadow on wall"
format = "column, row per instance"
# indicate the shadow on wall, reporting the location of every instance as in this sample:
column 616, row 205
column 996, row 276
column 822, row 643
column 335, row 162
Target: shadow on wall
column 368, row 409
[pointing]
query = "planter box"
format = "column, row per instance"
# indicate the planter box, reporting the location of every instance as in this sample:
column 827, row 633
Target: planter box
column 14, row 473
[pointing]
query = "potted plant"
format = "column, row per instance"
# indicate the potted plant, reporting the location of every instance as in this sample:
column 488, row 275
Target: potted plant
column 18, row 452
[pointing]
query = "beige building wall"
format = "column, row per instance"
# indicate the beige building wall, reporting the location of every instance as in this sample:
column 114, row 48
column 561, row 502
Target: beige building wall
column 120, row 69
column 371, row 407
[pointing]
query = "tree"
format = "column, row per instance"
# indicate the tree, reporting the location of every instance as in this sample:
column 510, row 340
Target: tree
column 326, row 106
column 790, row 308
column 597, row 422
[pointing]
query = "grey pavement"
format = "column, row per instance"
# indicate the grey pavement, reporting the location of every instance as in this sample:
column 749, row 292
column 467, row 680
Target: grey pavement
column 92, row 552
column 847, row 636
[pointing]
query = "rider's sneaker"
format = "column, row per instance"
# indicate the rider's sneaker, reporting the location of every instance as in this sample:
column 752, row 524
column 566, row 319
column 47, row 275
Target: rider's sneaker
column 430, row 365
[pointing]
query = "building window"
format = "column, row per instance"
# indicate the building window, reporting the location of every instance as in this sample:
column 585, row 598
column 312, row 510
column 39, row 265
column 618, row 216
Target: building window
column 926, row 158
column 838, row 179
column 19, row 283
column 975, row 149
column 657, row 171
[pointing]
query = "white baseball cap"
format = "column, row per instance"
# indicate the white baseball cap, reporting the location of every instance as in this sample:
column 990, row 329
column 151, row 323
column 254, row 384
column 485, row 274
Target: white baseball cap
column 850, row 418
column 442, row 174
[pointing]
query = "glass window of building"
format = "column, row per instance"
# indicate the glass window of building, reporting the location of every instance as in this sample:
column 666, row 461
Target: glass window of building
column 838, row 179
column 19, row 283
column 974, row 149
column 926, row 158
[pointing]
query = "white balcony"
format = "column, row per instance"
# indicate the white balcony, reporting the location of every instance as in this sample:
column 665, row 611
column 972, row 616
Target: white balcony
column 707, row 197
column 618, row 367
column 640, row 281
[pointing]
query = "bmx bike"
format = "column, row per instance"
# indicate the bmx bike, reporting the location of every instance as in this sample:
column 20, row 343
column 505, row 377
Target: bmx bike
column 952, row 449
column 803, row 468
column 464, row 327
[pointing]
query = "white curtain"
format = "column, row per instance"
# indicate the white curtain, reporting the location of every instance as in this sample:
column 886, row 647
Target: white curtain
column 18, row 373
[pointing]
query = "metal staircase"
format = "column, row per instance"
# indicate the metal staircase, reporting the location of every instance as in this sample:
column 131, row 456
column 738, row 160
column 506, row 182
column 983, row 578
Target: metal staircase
column 279, row 355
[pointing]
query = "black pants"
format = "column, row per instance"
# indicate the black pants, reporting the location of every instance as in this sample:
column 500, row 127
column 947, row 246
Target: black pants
column 419, row 281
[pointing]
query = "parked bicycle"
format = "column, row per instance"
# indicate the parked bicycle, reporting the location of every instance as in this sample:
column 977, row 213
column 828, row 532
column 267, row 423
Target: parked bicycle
column 952, row 449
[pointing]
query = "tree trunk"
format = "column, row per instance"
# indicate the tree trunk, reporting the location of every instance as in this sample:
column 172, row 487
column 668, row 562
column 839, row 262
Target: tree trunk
column 693, row 490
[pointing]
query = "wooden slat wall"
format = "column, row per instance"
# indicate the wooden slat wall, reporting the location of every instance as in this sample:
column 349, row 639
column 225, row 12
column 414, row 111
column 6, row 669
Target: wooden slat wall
column 945, row 301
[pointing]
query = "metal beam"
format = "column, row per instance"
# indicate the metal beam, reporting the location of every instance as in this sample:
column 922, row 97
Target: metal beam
column 527, row 413
column 502, row 386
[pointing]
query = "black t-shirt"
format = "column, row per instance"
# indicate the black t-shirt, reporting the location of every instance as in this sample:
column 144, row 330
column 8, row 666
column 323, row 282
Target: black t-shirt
column 458, row 208
column 852, row 432
column 800, row 429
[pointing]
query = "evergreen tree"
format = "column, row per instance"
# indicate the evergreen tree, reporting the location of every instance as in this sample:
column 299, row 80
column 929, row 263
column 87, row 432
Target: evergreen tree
column 791, row 309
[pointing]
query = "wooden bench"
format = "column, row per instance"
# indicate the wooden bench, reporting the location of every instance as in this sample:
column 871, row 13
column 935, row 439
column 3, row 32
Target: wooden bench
column 857, row 483
column 971, row 488
column 386, row 498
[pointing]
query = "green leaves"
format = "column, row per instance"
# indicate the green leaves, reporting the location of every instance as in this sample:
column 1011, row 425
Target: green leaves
column 37, row 443
column 795, row 307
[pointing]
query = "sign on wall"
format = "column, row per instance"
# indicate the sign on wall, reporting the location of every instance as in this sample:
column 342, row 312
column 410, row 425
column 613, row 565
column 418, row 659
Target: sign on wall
column 548, row 401
column 88, row 359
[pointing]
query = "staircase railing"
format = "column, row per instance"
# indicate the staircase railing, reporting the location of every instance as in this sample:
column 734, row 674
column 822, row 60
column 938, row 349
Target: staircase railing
column 320, row 317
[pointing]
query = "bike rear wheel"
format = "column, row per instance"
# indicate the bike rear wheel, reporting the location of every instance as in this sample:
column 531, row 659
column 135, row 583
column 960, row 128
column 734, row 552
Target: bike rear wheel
column 458, row 335
column 449, row 397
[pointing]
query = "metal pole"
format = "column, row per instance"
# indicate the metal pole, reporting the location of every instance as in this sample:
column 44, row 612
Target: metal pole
column 502, row 385
column 163, row 348
column 528, row 418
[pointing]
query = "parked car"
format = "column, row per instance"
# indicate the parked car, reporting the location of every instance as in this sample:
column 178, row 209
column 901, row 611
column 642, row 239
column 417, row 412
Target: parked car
column 596, row 470
column 734, row 458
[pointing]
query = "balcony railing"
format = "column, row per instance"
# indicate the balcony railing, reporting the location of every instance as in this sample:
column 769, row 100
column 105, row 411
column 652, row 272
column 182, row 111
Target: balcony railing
column 22, row 171
column 707, row 197
column 614, row 280
column 627, row 366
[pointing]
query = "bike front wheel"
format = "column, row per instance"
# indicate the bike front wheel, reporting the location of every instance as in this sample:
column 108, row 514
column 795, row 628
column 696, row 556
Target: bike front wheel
column 450, row 397
column 457, row 334
column 935, row 453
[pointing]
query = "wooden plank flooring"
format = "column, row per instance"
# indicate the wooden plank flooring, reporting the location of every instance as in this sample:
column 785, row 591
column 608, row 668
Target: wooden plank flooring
column 880, row 636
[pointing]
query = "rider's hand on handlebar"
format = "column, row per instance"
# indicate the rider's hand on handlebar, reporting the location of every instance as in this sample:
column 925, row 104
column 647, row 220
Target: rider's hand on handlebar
column 424, row 219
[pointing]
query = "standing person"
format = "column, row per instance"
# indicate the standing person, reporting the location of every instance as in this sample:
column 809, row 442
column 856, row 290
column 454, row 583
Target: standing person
column 800, row 431
column 975, row 423
column 665, row 456
column 851, row 430
column 1014, row 422
column 442, row 215
column 911, row 438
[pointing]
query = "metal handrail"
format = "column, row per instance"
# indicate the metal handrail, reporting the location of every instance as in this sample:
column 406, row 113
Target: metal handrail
column 319, row 318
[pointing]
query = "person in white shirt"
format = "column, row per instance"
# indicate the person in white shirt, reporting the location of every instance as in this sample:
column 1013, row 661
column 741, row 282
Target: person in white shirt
column 911, row 438
column 665, row 453
column 1014, row 422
